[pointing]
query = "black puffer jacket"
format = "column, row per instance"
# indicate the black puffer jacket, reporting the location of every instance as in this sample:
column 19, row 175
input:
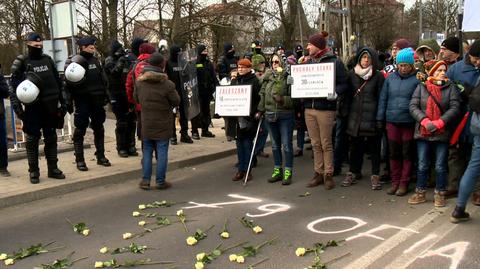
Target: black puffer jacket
column 363, row 108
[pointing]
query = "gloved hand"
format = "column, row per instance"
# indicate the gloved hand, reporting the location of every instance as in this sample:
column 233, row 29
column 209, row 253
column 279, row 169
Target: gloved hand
column 380, row 125
column 290, row 80
column 431, row 127
column 63, row 110
column 258, row 115
column 424, row 122
column 278, row 98
column 439, row 124
column 70, row 108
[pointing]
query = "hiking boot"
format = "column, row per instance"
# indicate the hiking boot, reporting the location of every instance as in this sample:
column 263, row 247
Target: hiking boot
column 349, row 180
column 132, row 151
column 439, row 199
column 392, row 190
column 329, row 183
column 238, row 176
column 276, row 175
column 165, row 185
column 56, row 173
column 287, row 177
column 35, row 177
column 376, row 185
column 4, row 172
column 184, row 138
column 173, row 141
column 402, row 190
column 459, row 215
column 207, row 134
column 103, row 161
column 195, row 136
column 418, row 198
column 123, row 153
column 144, row 185
column 82, row 166
column 316, row 180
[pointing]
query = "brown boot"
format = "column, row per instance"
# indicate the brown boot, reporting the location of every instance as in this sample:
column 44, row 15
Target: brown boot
column 418, row 198
column 402, row 190
column 238, row 176
column 316, row 180
column 476, row 198
column 376, row 185
column 393, row 189
column 329, row 183
column 439, row 199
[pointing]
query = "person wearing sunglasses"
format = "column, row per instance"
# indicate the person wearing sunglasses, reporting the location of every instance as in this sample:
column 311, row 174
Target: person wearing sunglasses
column 277, row 107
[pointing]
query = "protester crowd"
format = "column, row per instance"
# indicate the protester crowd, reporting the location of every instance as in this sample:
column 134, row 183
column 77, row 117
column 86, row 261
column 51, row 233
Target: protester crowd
column 418, row 110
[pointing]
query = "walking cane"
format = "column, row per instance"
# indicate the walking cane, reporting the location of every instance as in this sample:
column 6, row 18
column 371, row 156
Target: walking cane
column 253, row 152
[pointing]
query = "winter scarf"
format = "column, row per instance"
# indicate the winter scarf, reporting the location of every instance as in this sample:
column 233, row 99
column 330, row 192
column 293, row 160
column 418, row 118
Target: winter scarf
column 432, row 111
column 364, row 73
column 321, row 53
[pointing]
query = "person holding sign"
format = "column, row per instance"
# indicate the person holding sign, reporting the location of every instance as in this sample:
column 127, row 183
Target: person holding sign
column 320, row 112
column 243, row 129
column 277, row 107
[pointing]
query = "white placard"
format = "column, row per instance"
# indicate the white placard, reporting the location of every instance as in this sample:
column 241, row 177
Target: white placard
column 233, row 100
column 62, row 21
column 313, row 80
column 471, row 23
column 60, row 54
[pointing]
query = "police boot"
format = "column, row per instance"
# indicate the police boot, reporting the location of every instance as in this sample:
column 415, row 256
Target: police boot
column 50, row 149
column 122, row 139
column 32, row 156
column 99, row 139
column 78, row 135
column 132, row 149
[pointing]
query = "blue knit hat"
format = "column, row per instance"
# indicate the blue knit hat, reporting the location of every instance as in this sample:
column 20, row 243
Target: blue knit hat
column 405, row 56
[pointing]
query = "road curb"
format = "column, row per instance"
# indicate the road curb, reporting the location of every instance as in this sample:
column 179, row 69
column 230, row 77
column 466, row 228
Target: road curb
column 104, row 180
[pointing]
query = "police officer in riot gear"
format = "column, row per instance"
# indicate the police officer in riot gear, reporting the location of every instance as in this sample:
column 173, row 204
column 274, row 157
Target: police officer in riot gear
column 46, row 113
column 116, row 69
column 227, row 61
column 89, row 97
column 207, row 81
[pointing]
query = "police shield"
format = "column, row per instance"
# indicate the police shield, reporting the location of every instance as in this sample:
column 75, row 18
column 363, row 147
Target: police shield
column 188, row 78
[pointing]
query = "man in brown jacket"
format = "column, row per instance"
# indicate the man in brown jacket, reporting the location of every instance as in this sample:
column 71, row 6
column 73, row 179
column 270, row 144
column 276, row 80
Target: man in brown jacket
column 157, row 96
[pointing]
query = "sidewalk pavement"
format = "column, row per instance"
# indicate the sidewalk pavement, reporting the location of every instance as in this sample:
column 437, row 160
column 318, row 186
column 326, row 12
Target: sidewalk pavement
column 17, row 189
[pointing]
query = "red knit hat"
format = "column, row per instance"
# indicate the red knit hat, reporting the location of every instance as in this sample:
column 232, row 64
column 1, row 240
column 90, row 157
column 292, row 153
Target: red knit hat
column 319, row 40
column 432, row 66
column 402, row 44
column 245, row 62
column 146, row 48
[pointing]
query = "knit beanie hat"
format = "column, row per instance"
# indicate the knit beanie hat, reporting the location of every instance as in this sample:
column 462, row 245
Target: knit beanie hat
column 157, row 59
column 319, row 40
column 137, row 41
column 432, row 66
column 244, row 62
column 146, row 48
column 402, row 44
column 475, row 49
column 257, row 59
column 452, row 43
column 405, row 56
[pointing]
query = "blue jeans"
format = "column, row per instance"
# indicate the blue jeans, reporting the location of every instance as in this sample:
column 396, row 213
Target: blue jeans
column 162, row 151
column 281, row 134
column 244, row 150
column 441, row 164
column 3, row 142
column 470, row 177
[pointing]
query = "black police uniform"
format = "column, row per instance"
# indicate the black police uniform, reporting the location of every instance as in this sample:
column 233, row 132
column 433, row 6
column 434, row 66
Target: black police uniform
column 174, row 70
column 45, row 114
column 207, row 81
column 227, row 61
column 89, row 98
column 117, row 67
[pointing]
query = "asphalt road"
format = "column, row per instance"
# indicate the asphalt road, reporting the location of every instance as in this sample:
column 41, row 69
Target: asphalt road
column 381, row 231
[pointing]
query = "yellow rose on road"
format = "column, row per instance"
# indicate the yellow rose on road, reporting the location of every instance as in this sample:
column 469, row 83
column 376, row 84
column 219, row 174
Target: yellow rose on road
column 9, row 261
column 86, row 232
column 300, row 252
column 104, row 250
column 136, row 213
column 98, row 264
column 199, row 265
column 142, row 206
column 232, row 257
column 142, row 223
column 200, row 256
column 257, row 229
column 240, row 259
column 180, row 212
column 225, row 235
column 191, row 241
column 3, row 256
column 127, row 235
